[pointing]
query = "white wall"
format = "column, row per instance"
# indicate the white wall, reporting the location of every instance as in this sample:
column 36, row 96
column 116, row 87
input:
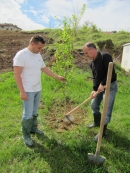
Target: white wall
column 126, row 57
column 9, row 28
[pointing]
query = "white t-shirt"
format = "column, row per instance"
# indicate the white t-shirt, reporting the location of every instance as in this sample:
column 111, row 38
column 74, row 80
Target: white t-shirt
column 31, row 74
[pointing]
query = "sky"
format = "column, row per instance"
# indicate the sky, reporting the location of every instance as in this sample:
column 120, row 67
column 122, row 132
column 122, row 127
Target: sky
column 107, row 15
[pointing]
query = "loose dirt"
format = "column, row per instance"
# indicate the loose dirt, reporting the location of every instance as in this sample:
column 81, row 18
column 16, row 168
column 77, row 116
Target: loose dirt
column 11, row 42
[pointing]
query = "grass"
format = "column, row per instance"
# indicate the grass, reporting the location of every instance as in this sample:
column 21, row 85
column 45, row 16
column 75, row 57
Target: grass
column 64, row 152
column 87, row 34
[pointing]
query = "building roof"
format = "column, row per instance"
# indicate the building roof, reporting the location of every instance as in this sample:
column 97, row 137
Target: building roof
column 107, row 32
column 9, row 24
column 126, row 44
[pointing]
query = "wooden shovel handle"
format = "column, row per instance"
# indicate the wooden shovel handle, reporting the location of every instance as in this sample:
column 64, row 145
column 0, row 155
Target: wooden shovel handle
column 109, row 74
column 85, row 101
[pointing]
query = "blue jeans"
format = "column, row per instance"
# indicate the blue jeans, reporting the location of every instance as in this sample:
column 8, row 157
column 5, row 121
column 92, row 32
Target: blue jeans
column 31, row 105
column 95, row 103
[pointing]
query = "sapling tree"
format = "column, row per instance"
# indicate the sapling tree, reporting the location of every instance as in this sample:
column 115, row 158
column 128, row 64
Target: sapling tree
column 64, row 48
column 64, row 58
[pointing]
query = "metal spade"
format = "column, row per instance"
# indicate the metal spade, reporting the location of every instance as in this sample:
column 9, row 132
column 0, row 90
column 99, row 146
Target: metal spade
column 70, row 118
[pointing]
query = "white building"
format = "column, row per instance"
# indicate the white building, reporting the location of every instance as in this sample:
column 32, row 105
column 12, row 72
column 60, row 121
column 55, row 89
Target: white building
column 125, row 63
column 9, row 26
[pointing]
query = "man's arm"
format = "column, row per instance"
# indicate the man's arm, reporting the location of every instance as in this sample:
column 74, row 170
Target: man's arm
column 47, row 71
column 107, row 58
column 17, row 76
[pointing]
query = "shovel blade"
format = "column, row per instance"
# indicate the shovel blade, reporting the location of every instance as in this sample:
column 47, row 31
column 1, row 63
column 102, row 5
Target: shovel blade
column 68, row 118
column 96, row 160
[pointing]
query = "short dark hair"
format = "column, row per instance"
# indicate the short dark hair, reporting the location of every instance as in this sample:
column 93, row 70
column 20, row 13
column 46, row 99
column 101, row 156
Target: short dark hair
column 36, row 39
column 90, row 45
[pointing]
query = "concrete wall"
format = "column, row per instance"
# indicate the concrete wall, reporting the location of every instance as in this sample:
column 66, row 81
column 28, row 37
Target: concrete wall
column 126, row 57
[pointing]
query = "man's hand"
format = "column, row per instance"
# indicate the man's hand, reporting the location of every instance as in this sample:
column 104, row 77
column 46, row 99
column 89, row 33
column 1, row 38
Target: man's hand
column 60, row 78
column 48, row 71
column 23, row 96
column 93, row 94
column 100, row 88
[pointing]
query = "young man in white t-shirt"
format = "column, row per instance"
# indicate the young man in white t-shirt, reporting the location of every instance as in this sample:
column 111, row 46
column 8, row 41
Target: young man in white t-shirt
column 28, row 65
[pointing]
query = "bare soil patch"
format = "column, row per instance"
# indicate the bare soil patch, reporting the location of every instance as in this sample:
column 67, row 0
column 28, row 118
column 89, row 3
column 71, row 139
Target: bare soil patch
column 11, row 42
column 55, row 118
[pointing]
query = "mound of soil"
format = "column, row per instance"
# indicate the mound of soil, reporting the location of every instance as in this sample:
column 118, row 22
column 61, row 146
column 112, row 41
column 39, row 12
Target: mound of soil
column 11, row 42
column 55, row 118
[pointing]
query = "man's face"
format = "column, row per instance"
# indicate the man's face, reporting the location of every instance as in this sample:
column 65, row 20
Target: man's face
column 88, row 52
column 36, row 48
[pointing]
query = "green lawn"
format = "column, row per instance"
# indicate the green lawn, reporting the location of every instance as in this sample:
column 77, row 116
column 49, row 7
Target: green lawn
column 66, row 151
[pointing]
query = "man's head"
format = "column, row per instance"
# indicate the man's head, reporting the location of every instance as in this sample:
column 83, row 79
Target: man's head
column 90, row 50
column 36, row 44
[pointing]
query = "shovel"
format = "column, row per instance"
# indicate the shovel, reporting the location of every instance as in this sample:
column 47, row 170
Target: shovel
column 95, row 158
column 70, row 118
